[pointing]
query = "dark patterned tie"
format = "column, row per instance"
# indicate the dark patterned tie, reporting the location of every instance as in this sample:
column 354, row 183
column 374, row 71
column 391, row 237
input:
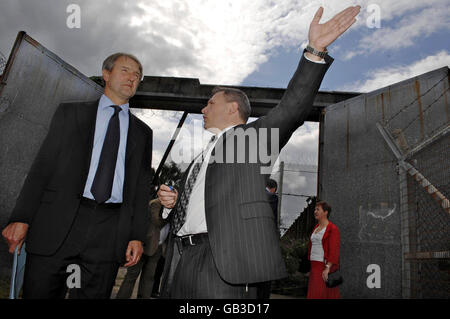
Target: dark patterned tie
column 104, row 177
column 180, row 214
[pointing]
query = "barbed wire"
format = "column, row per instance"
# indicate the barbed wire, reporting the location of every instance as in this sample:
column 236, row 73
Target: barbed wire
column 426, row 109
column 298, row 195
column 299, row 171
column 416, row 99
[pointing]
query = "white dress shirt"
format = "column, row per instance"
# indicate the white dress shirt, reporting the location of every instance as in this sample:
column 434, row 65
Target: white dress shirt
column 195, row 222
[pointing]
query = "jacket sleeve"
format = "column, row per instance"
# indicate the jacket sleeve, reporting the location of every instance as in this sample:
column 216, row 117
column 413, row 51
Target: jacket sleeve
column 40, row 172
column 155, row 214
column 297, row 101
column 333, row 248
column 140, row 217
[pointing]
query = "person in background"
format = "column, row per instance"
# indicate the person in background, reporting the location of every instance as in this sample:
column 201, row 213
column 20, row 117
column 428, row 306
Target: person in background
column 323, row 252
column 159, row 268
column 153, row 250
column 271, row 189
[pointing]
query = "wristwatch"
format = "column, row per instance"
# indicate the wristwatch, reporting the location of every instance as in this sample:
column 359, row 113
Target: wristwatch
column 321, row 54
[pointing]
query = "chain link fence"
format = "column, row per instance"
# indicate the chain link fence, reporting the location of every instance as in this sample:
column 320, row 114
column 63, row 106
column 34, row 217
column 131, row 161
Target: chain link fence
column 429, row 239
column 424, row 152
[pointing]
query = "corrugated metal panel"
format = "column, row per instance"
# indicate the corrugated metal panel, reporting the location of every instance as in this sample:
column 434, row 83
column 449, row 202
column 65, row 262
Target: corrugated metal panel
column 33, row 84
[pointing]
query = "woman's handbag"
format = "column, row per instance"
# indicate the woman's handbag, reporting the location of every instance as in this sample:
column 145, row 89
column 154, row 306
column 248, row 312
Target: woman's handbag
column 334, row 279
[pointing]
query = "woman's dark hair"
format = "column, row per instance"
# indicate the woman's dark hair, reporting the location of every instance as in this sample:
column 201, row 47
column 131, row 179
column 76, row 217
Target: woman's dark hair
column 325, row 207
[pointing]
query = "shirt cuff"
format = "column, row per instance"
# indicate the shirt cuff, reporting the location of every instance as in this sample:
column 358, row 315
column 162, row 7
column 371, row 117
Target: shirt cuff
column 166, row 212
column 321, row 61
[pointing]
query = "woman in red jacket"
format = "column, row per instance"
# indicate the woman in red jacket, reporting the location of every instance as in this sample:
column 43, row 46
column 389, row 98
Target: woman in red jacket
column 323, row 252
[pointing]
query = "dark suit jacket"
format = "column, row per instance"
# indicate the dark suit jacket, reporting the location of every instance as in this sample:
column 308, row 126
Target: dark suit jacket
column 156, row 222
column 51, row 193
column 273, row 200
column 241, row 226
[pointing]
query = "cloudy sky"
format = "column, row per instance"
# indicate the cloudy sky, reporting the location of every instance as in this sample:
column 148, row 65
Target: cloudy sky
column 249, row 43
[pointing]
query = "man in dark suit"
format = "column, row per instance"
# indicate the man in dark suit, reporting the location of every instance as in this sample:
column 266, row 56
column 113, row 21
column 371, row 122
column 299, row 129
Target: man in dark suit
column 84, row 201
column 271, row 191
column 224, row 239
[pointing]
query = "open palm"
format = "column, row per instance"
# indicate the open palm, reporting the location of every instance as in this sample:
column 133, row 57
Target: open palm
column 322, row 35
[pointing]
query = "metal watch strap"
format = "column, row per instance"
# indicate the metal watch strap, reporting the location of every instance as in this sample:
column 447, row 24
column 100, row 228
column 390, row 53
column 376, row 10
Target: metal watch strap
column 321, row 54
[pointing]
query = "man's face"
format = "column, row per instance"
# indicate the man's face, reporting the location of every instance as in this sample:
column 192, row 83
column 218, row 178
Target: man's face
column 122, row 81
column 215, row 113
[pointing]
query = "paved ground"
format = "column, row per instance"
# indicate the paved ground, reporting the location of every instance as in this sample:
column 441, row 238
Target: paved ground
column 122, row 272
column 119, row 279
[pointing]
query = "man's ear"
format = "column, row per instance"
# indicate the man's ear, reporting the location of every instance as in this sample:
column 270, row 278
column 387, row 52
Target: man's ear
column 105, row 74
column 233, row 107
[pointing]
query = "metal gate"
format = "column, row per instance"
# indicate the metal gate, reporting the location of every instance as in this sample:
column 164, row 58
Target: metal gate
column 429, row 231
column 423, row 154
column 384, row 168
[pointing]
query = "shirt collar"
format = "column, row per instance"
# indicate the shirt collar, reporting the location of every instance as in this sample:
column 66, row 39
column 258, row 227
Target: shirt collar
column 105, row 102
column 220, row 133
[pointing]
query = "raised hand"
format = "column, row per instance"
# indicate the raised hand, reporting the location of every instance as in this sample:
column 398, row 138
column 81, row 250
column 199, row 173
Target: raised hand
column 322, row 35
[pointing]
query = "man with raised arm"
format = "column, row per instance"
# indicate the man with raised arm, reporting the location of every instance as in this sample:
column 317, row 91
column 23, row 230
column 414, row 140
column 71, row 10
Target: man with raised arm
column 224, row 240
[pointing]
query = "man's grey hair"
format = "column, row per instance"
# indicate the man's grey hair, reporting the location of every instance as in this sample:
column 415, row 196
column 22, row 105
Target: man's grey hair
column 109, row 62
column 238, row 96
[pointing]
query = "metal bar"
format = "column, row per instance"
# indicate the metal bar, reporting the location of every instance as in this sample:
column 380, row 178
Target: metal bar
column 187, row 94
column 426, row 184
column 390, row 142
column 11, row 58
column 300, row 171
column 430, row 140
column 280, row 194
column 299, row 195
column 169, row 148
column 320, row 155
column 428, row 255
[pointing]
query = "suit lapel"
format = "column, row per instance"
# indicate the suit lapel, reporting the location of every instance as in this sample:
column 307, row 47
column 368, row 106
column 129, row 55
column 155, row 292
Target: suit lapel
column 86, row 118
column 129, row 151
column 131, row 136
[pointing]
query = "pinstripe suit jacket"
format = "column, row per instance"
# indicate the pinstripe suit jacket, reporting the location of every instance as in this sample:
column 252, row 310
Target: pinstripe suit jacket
column 240, row 222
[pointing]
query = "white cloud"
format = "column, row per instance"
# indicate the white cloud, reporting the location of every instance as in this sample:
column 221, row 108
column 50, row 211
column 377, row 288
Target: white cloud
column 227, row 40
column 386, row 76
column 411, row 21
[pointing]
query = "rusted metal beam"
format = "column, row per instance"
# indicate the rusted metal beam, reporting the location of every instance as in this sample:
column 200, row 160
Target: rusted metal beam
column 187, row 94
column 428, row 255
